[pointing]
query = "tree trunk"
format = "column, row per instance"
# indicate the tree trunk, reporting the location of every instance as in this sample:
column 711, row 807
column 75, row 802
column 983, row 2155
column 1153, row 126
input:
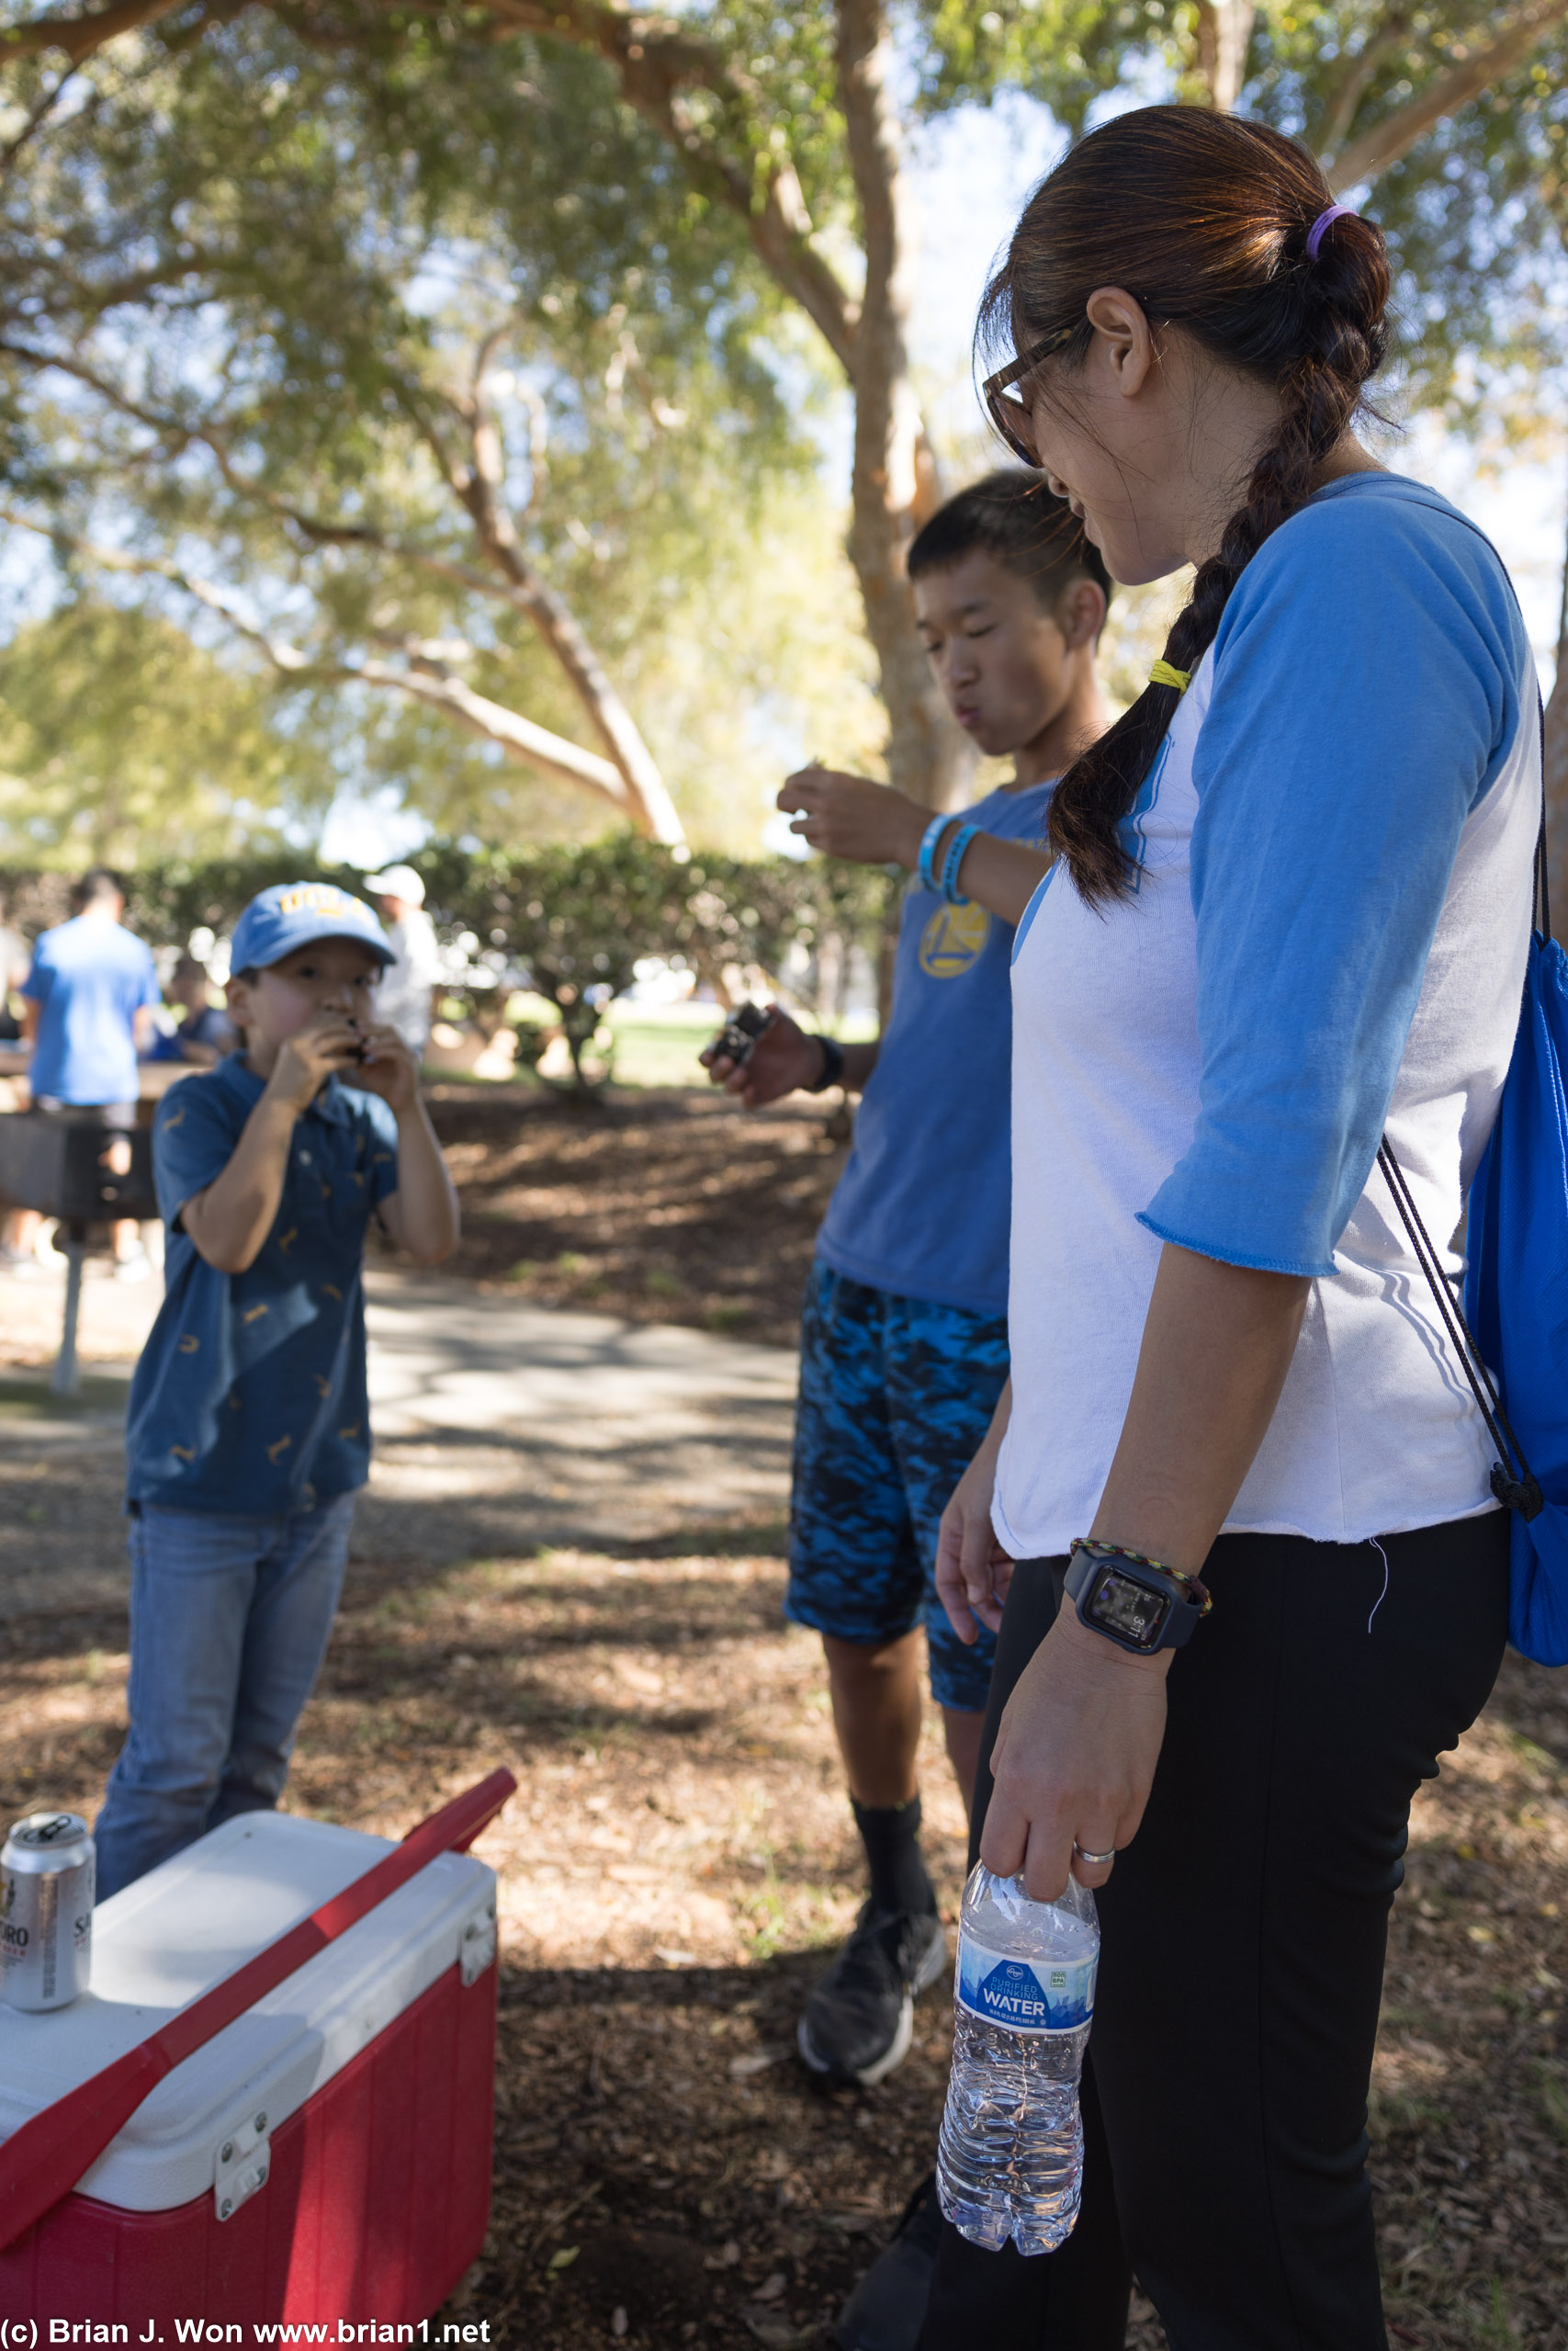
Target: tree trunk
column 894, row 484
column 1557, row 779
column 1224, row 31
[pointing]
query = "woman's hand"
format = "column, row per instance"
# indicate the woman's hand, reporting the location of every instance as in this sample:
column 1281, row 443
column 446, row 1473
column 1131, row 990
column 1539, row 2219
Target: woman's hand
column 1074, row 1758
column 972, row 1571
column 848, row 816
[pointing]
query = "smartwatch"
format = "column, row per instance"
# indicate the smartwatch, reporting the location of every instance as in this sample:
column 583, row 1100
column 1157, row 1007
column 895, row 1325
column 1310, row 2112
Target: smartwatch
column 1134, row 1601
column 833, row 1065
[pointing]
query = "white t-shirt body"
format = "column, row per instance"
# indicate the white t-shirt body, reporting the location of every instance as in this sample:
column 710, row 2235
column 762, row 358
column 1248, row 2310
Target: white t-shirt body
column 403, row 996
column 1327, row 938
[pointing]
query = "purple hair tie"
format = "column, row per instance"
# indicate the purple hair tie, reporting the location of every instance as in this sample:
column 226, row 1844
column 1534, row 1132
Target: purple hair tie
column 1324, row 222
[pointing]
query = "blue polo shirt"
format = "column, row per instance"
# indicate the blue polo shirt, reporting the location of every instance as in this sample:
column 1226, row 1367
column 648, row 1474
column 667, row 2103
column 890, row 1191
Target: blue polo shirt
column 923, row 1203
column 250, row 1395
column 89, row 979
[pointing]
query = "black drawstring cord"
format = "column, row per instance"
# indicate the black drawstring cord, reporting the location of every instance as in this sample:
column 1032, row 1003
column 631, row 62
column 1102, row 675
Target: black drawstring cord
column 1521, row 1493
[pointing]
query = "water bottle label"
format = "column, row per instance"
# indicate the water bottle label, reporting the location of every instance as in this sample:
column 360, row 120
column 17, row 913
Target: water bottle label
column 1027, row 1995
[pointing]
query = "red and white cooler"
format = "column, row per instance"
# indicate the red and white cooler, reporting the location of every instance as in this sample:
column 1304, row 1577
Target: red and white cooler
column 324, row 2151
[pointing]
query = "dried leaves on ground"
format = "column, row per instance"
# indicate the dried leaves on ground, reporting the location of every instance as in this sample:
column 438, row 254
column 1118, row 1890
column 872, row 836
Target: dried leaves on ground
column 664, row 1205
column 676, row 1863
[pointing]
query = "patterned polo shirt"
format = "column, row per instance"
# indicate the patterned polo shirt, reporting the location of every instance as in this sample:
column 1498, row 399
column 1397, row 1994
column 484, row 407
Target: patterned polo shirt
column 250, row 1395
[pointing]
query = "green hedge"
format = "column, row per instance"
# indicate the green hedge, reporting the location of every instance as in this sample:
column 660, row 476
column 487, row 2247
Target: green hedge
column 571, row 920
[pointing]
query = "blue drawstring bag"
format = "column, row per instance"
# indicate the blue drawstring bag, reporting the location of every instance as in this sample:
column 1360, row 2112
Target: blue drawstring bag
column 1514, row 1316
column 1514, row 1323
column 1516, row 1297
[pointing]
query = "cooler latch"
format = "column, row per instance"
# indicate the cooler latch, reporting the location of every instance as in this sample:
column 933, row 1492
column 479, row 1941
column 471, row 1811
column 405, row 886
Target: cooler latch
column 476, row 1947
column 245, row 2160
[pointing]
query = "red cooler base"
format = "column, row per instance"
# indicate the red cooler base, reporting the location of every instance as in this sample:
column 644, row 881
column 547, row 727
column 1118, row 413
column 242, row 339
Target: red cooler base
column 376, row 2204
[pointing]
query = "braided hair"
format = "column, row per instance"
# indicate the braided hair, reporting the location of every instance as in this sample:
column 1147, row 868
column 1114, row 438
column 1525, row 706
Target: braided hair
column 1205, row 221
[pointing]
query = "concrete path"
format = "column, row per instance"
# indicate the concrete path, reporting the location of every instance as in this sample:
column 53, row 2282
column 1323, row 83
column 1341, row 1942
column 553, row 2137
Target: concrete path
column 500, row 1428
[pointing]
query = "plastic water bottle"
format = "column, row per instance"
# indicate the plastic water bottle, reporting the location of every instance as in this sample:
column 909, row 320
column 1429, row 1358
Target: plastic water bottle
column 1010, row 2159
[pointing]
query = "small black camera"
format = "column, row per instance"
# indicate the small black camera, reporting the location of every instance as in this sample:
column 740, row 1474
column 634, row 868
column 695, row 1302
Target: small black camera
column 740, row 1032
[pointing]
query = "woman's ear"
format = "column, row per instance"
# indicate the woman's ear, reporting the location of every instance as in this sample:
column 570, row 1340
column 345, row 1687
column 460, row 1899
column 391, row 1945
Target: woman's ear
column 1125, row 339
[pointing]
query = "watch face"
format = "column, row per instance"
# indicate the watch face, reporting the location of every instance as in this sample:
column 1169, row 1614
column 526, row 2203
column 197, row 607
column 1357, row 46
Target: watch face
column 1132, row 1611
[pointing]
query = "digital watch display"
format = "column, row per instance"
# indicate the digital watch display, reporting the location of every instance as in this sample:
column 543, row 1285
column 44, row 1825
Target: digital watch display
column 1140, row 1606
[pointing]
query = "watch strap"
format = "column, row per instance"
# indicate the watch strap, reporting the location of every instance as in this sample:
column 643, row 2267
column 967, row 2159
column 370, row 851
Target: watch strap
column 832, row 1064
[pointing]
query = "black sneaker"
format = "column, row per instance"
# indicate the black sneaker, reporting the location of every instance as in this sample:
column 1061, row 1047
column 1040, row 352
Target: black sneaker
column 859, row 2017
column 887, row 2309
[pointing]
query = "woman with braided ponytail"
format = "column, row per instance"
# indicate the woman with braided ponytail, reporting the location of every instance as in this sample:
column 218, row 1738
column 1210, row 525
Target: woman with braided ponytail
column 1289, row 914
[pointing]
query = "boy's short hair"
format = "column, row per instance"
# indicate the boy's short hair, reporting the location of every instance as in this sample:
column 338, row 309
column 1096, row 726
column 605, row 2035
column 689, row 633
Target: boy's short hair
column 1012, row 515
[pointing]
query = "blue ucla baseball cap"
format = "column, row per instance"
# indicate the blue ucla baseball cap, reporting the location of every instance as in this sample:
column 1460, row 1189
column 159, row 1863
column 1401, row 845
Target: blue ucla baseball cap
column 291, row 914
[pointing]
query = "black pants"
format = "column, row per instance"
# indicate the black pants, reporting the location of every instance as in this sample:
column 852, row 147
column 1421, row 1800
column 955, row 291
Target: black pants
column 1243, row 1935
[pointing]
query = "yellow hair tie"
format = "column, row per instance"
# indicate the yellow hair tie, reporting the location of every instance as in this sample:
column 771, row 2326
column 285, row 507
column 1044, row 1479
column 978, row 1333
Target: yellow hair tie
column 1166, row 674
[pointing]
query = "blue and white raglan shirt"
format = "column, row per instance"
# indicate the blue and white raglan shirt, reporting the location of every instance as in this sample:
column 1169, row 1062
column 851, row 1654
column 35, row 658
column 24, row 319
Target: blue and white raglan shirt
column 1327, row 938
column 921, row 1207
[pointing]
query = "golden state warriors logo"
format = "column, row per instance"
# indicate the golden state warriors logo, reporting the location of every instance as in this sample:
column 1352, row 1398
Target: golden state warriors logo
column 953, row 940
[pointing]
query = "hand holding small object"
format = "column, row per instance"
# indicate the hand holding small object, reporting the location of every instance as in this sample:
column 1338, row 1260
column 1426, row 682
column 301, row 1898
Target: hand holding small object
column 781, row 1060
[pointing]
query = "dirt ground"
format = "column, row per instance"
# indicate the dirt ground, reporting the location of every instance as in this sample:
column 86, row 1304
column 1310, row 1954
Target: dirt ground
column 675, row 1861
column 679, row 1858
column 663, row 1204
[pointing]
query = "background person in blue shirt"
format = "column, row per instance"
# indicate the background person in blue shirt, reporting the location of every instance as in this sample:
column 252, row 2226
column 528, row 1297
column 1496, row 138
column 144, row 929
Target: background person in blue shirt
column 904, row 1335
column 249, row 1434
column 88, row 1002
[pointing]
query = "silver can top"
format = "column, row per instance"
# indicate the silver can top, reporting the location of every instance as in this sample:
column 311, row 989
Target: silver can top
column 45, row 1842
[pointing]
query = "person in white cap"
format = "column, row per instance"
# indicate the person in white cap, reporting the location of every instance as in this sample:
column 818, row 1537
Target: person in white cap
column 406, row 999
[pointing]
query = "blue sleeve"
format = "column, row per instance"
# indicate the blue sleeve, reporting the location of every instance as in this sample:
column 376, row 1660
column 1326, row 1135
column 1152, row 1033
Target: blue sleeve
column 152, row 990
column 40, row 979
column 193, row 1137
column 1368, row 675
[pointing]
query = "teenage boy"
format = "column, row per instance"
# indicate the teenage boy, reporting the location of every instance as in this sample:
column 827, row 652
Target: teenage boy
column 904, row 1333
column 248, row 1434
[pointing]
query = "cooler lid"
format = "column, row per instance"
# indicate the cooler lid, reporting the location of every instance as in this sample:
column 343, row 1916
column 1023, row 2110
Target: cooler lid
column 164, row 1940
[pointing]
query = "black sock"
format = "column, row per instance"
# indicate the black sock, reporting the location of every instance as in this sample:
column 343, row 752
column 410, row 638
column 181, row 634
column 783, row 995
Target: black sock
column 891, row 1834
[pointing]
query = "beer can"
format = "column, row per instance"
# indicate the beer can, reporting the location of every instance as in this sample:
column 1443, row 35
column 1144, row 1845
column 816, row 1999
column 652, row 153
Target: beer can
column 47, row 1870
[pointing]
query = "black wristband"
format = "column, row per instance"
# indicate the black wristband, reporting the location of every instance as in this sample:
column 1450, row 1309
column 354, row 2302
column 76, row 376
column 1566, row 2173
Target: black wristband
column 833, row 1065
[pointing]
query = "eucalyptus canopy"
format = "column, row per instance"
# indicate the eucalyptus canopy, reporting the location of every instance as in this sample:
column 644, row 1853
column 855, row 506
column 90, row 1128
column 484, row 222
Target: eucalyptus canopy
column 351, row 196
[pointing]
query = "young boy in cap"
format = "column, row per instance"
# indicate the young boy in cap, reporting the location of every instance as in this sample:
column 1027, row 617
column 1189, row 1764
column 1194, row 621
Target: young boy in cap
column 248, row 1435
column 904, row 1347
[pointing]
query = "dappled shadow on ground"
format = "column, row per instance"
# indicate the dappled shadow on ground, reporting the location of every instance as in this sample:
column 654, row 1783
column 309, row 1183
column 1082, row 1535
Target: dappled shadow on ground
column 665, row 1205
column 676, row 1863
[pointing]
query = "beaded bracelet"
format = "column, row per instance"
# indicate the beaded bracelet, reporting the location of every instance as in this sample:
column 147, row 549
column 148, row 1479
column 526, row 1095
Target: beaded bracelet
column 952, row 862
column 1096, row 1550
column 925, row 863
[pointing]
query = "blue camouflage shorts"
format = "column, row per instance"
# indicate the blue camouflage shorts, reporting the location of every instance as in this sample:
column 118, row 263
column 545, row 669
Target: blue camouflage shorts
column 896, row 1394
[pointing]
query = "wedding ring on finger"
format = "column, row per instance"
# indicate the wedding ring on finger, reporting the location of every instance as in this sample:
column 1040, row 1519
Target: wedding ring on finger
column 1095, row 1861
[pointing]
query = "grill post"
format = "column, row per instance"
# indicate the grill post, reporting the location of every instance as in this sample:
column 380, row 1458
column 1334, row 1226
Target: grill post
column 67, row 1378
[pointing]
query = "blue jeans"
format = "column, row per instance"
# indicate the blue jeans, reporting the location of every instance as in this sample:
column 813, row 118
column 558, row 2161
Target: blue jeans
column 230, row 1616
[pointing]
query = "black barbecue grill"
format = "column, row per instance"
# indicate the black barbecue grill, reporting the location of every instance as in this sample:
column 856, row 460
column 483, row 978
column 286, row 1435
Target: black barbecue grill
column 83, row 1174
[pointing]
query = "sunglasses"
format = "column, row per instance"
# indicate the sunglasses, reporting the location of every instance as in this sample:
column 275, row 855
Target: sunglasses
column 1009, row 414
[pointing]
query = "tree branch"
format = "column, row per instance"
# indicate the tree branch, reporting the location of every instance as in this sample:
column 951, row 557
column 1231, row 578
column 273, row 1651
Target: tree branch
column 524, row 742
column 656, row 62
column 80, row 36
column 1356, row 78
column 1387, row 140
column 479, row 488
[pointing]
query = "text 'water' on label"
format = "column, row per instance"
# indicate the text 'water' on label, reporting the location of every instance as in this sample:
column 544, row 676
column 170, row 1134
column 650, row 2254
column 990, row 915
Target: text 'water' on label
column 1027, row 1995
